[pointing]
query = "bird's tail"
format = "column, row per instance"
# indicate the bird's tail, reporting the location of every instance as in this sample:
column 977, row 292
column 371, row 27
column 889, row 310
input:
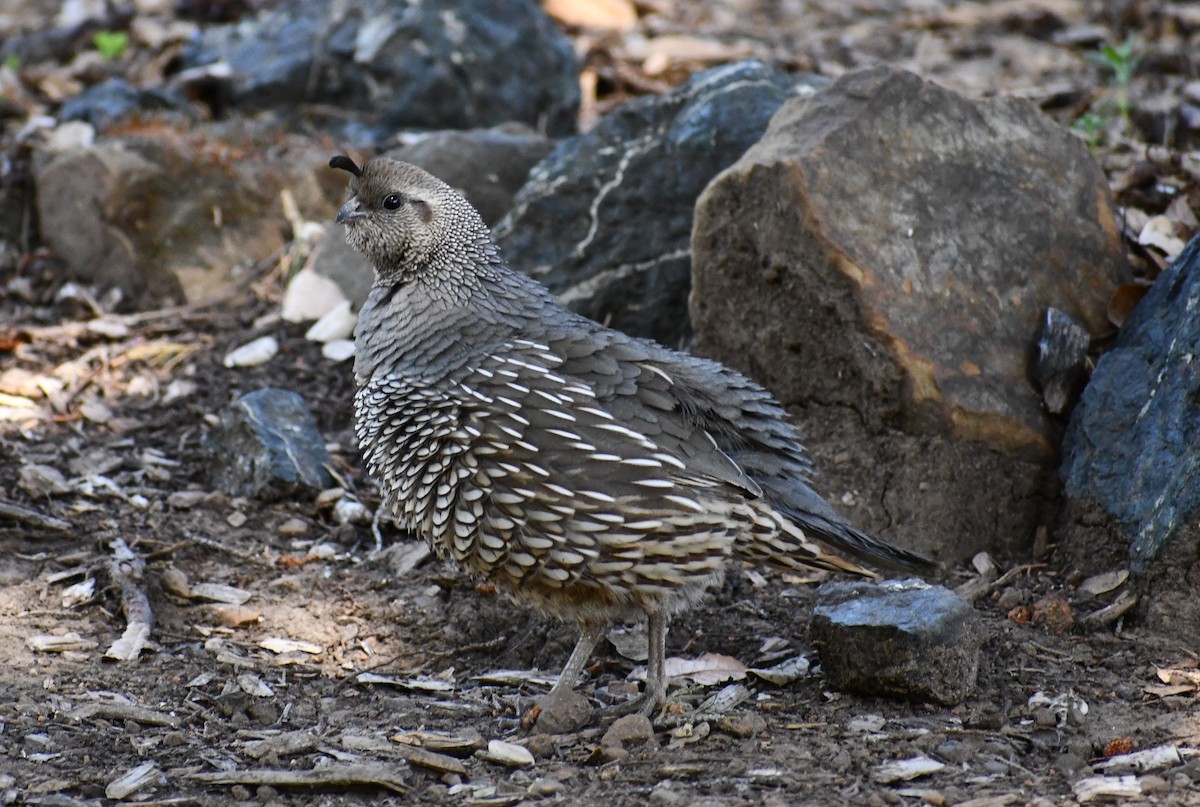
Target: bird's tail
column 843, row 537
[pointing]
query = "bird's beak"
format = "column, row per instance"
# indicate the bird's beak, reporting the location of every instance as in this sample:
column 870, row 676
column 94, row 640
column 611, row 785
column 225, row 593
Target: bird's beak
column 350, row 211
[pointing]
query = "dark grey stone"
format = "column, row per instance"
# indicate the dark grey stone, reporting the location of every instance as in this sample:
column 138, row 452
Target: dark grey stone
column 115, row 100
column 901, row 638
column 268, row 446
column 605, row 221
column 431, row 64
column 1133, row 443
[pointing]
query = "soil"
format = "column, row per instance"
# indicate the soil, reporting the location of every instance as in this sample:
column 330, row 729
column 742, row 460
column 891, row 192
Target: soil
column 67, row 730
column 211, row 694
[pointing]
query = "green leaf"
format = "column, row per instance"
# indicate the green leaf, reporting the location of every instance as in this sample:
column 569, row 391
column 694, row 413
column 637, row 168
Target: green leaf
column 111, row 44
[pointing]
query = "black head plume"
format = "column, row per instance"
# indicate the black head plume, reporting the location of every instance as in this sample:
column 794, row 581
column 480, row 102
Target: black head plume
column 345, row 163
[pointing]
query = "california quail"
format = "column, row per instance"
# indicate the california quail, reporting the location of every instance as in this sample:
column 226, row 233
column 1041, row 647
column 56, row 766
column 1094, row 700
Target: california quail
column 589, row 473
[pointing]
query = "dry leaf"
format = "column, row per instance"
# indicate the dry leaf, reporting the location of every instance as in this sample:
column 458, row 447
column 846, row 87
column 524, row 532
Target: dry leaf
column 1124, row 300
column 600, row 15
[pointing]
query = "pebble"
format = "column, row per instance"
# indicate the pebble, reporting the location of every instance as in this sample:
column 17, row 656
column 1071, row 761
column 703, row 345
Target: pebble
column 570, row 711
column 630, row 730
column 932, row 635
column 292, row 528
column 505, row 753
column 745, row 725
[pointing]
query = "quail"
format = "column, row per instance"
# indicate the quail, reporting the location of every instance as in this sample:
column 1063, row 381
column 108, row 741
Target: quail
column 593, row 475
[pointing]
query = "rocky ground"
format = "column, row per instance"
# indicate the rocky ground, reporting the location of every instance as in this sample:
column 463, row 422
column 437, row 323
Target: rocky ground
column 267, row 615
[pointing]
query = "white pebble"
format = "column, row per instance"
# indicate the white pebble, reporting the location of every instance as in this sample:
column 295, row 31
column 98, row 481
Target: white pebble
column 260, row 351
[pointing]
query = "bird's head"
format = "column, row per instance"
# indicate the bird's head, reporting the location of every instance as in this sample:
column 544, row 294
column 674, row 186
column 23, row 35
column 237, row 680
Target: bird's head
column 403, row 219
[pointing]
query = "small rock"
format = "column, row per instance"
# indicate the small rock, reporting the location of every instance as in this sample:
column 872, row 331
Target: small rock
column 292, row 528
column 310, row 295
column 504, row 753
column 627, row 731
column 267, row 445
column 566, row 712
column 542, row 787
column 42, row 480
column 337, row 323
column 902, row 770
column 746, row 725
column 251, row 354
column 428, row 65
column 541, row 746
column 900, row 638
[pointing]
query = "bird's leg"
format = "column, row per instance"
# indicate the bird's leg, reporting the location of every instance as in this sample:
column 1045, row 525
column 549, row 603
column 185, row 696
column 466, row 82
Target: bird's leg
column 655, row 693
column 569, row 677
column 562, row 708
column 656, row 662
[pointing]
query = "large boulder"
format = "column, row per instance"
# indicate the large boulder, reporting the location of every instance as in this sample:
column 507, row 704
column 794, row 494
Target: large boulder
column 169, row 215
column 1132, row 453
column 431, row 64
column 885, row 255
column 605, row 220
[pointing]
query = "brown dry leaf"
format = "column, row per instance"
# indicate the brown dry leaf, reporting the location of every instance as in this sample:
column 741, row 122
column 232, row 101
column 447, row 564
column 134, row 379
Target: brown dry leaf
column 1124, row 300
column 657, row 54
column 1179, row 676
column 1167, row 691
column 711, row 668
column 235, row 616
column 600, row 15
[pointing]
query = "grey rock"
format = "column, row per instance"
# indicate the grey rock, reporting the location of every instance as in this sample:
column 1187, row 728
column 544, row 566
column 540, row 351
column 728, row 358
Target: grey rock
column 883, row 257
column 628, row 732
column 1132, row 450
column 1060, row 367
column 115, row 100
column 901, row 638
column 929, row 232
column 268, row 446
column 1134, row 439
column 164, row 219
column 488, row 166
column 431, row 64
column 605, row 220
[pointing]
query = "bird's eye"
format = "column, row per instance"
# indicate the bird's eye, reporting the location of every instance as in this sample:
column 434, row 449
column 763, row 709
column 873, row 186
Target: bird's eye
column 394, row 201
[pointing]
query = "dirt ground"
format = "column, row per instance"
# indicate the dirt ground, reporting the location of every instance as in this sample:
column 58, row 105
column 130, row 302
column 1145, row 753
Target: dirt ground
column 217, row 692
column 211, row 696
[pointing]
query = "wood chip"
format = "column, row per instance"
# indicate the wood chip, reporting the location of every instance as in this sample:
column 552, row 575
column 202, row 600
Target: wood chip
column 1148, row 759
column 127, row 571
column 127, row 784
column 254, row 686
column 33, row 518
column 123, row 712
column 415, row 755
column 902, row 770
column 372, row 775
column 463, row 743
column 1104, row 583
column 417, row 684
column 278, row 645
column 1106, row 787
column 44, row 643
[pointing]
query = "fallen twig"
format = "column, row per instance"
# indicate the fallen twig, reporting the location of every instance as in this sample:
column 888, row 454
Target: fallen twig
column 32, row 517
column 330, row 776
column 128, row 571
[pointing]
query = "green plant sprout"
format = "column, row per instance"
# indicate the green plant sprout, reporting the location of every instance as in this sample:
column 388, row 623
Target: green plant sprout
column 1121, row 62
column 111, row 44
